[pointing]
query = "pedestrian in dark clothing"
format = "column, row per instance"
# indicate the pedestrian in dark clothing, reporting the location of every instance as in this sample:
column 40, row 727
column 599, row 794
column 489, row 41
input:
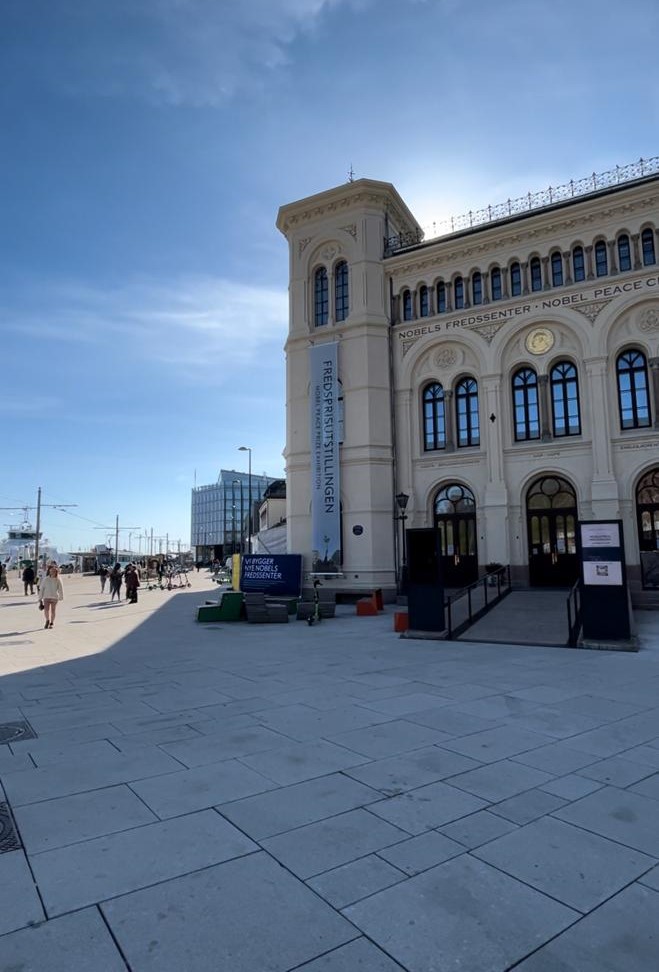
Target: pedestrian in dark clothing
column 132, row 583
column 4, row 586
column 103, row 574
column 28, row 579
column 115, row 582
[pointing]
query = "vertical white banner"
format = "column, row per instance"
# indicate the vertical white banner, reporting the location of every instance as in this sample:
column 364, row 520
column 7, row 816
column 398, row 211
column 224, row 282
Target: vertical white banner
column 324, row 430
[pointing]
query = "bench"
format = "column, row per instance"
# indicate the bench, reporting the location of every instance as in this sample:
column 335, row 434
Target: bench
column 369, row 606
column 228, row 608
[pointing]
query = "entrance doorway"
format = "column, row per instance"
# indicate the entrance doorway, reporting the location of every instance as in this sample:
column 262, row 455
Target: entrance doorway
column 647, row 519
column 455, row 522
column 551, row 515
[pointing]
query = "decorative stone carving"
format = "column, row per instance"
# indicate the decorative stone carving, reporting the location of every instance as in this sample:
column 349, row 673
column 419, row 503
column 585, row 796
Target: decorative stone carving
column 592, row 309
column 330, row 251
column 445, row 358
column 648, row 320
column 407, row 344
column 303, row 244
column 488, row 331
column 351, row 230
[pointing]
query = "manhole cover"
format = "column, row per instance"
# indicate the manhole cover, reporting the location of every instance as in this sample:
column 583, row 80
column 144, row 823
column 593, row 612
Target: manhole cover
column 13, row 731
column 9, row 839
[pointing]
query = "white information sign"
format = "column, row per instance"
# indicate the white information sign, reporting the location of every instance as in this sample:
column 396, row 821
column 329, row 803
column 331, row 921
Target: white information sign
column 599, row 573
column 600, row 535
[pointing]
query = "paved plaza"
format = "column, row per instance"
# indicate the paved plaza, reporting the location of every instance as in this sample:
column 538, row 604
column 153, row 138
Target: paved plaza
column 269, row 798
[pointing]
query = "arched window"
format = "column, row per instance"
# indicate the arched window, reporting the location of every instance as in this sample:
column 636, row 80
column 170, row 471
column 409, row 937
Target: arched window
column 434, row 417
column 466, row 412
column 459, row 293
column 624, row 253
column 556, row 269
column 341, row 290
column 601, row 261
column 321, row 295
column 495, row 280
column 633, row 401
column 407, row 305
column 515, row 279
column 647, row 245
column 424, row 303
column 578, row 265
column 536, row 274
column 525, row 404
column 441, row 297
column 565, row 399
column 476, row 288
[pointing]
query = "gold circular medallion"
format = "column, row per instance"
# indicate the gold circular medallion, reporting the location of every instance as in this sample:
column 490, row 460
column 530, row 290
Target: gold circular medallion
column 540, row 341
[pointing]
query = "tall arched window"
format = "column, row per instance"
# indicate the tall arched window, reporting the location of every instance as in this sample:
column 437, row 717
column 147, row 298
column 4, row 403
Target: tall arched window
column 321, row 297
column 578, row 265
column 434, row 417
column 624, row 253
column 557, row 269
column 647, row 245
column 525, row 404
column 407, row 305
column 515, row 279
column 459, row 293
column 341, row 290
column 424, row 303
column 565, row 399
column 441, row 297
column 466, row 412
column 495, row 281
column 601, row 260
column 476, row 288
column 633, row 401
column 536, row 274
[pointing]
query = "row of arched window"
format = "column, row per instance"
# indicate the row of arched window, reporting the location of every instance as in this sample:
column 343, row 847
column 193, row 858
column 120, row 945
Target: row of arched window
column 444, row 425
column 340, row 301
column 556, row 270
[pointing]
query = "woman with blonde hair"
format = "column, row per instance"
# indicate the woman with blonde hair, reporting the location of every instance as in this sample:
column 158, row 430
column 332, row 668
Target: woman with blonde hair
column 50, row 592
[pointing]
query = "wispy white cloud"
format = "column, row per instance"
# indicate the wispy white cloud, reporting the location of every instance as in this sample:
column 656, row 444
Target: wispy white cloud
column 201, row 328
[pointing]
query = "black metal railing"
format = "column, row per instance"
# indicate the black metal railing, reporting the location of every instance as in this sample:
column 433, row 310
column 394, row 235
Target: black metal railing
column 573, row 615
column 481, row 597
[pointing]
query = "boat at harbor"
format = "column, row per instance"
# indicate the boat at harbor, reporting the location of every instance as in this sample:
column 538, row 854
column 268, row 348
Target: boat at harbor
column 19, row 547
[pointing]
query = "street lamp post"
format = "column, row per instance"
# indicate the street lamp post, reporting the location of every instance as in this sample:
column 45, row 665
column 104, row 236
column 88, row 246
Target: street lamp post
column 249, row 497
column 239, row 482
column 402, row 500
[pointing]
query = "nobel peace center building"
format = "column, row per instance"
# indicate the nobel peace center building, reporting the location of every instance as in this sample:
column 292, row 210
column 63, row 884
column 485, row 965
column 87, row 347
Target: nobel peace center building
column 497, row 382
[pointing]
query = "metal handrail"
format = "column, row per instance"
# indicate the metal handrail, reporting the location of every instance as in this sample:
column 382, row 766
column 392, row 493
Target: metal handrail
column 574, row 621
column 593, row 183
column 503, row 585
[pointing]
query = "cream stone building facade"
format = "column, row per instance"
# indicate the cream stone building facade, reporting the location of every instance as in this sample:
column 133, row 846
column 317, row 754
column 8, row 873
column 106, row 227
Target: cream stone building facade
column 503, row 376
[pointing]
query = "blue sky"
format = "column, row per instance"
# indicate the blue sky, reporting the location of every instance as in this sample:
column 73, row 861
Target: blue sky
column 145, row 147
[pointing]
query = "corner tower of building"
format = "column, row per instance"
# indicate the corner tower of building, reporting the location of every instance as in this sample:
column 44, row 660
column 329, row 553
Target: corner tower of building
column 340, row 305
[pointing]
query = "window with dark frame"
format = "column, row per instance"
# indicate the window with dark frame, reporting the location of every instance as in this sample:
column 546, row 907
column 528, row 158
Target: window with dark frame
column 647, row 246
column 466, row 412
column 341, row 290
column 601, row 259
column 536, row 274
column 321, row 297
column 633, row 397
column 578, row 264
column 624, row 253
column 557, row 269
column 434, row 418
column 525, row 405
column 477, row 288
column 424, row 303
column 515, row 279
column 441, row 297
column 495, row 281
column 566, row 413
column 459, row 293
column 407, row 305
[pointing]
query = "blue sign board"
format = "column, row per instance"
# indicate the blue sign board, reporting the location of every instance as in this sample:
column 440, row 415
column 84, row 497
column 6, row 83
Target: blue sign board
column 277, row 574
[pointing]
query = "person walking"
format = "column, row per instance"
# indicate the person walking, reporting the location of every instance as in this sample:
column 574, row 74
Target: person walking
column 132, row 583
column 28, row 579
column 51, row 591
column 4, row 586
column 115, row 582
column 103, row 574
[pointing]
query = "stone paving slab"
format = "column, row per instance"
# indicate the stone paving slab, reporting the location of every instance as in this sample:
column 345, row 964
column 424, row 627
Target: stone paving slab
column 80, row 817
column 498, row 781
column 294, row 763
column 629, row 818
column 351, row 882
column 389, row 739
column 359, row 955
column 78, row 942
column 247, row 914
column 400, row 773
column 427, row 807
column 19, row 901
column 421, row 853
column 462, row 914
column 112, row 865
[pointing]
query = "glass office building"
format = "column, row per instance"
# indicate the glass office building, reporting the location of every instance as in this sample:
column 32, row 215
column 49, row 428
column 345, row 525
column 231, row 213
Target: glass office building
column 220, row 522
